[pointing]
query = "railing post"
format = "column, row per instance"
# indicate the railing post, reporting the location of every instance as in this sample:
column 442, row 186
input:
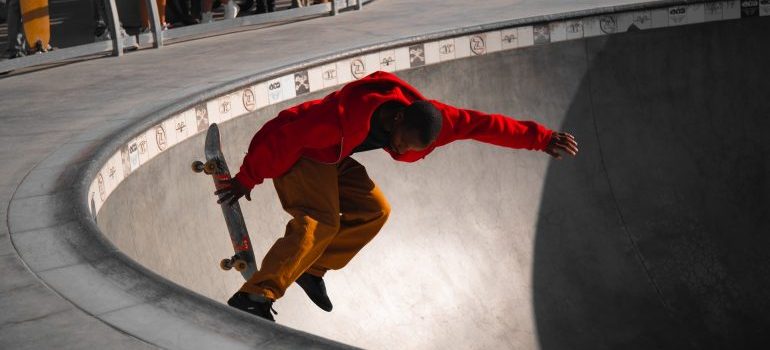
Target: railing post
column 152, row 10
column 334, row 8
column 113, row 21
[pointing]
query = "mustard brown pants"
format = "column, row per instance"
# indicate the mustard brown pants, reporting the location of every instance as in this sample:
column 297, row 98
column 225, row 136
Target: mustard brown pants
column 336, row 208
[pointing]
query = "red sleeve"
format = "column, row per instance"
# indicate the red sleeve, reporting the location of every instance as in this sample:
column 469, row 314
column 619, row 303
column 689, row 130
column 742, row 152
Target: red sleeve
column 280, row 142
column 495, row 129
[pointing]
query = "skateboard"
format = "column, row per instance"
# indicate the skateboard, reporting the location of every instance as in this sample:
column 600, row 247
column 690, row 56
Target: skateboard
column 243, row 259
column 37, row 24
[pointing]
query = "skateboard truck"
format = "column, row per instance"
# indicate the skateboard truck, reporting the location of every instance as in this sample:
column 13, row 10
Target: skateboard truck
column 209, row 168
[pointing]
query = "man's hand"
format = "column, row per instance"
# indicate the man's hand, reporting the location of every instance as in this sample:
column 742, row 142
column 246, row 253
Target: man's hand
column 561, row 142
column 232, row 193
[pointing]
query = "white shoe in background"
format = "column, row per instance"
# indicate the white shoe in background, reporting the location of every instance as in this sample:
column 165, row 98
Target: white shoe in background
column 231, row 9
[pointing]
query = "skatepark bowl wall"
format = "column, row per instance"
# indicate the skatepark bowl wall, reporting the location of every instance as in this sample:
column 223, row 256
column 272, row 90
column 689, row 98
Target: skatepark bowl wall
column 654, row 237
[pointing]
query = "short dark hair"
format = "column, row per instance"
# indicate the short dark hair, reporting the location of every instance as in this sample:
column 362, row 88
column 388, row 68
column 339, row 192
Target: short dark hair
column 424, row 117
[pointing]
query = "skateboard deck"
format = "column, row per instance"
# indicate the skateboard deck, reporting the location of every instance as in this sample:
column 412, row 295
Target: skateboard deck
column 216, row 166
column 37, row 24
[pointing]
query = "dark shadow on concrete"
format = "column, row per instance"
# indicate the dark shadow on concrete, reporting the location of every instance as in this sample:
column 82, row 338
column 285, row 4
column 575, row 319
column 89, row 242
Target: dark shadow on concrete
column 656, row 236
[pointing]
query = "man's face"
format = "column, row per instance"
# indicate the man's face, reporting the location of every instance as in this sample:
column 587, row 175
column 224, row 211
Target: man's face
column 404, row 139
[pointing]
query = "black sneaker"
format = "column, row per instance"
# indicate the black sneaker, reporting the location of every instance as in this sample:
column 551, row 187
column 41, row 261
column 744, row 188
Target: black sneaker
column 315, row 288
column 242, row 301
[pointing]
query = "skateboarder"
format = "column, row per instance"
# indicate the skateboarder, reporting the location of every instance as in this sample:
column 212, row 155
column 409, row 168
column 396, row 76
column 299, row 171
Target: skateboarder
column 336, row 207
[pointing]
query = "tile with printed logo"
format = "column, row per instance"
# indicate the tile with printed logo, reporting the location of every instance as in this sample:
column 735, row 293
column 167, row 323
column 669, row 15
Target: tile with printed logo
column 301, row 83
column 510, row 38
column 280, row 89
column 446, row 49
column 749, row 8
column 478, row 44
column 248, row 99
column 574, row 29
column 357, row 68
column 416, row 55
column 638, row 20
column 677, row 15
column 388, row 60
column 202, row 118
column 541, row 33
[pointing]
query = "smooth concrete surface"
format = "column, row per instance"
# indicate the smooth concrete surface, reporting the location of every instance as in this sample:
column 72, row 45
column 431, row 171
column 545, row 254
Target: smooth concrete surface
column 64, row 287
column 649, row 239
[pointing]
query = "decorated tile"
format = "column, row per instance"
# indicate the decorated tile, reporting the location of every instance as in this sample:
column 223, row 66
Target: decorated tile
column 494, row 41
column 510, row 38
column 143, row 147
column 712, row 11
column 329, row 75
column 431, row 53
column 248, row 100
column 280, row 89
column 402, row 58
column 526, row 36
column 574, row 29
column 749, row 8
column 157, row 140
column 608, row 24
column 731, row 9
column 315, row 77
column 660, row 18
column 301, row 83
column 183, row 126
column 416, row 55
column 677, row 15
column 224, row 106
column 462, row 46
column 542, row 34
column 478, row 44
column 388, row 60
column 113, row 172
column 764, row 7
column 357, row 68
column 446, row 50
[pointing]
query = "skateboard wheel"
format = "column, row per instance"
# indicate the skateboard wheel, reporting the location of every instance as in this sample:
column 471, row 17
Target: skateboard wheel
column 210, row 167
column 197, row 166
column 225, row 264
column 240, row 265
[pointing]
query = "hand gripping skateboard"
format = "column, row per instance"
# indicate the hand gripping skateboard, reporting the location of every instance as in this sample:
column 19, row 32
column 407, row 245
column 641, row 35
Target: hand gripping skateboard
column 243, row 259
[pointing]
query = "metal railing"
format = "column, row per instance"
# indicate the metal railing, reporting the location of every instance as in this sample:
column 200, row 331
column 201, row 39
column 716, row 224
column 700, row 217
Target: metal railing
column 157, row 37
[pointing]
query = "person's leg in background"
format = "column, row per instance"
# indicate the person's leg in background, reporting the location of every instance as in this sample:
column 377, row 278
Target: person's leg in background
column 144, row 13
column 16, row 42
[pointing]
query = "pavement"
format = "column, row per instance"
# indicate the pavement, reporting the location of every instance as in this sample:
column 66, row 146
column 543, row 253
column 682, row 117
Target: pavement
column 651, row 238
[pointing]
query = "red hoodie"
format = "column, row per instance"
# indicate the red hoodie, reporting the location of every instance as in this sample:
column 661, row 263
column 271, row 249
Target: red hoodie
column 328, row 130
